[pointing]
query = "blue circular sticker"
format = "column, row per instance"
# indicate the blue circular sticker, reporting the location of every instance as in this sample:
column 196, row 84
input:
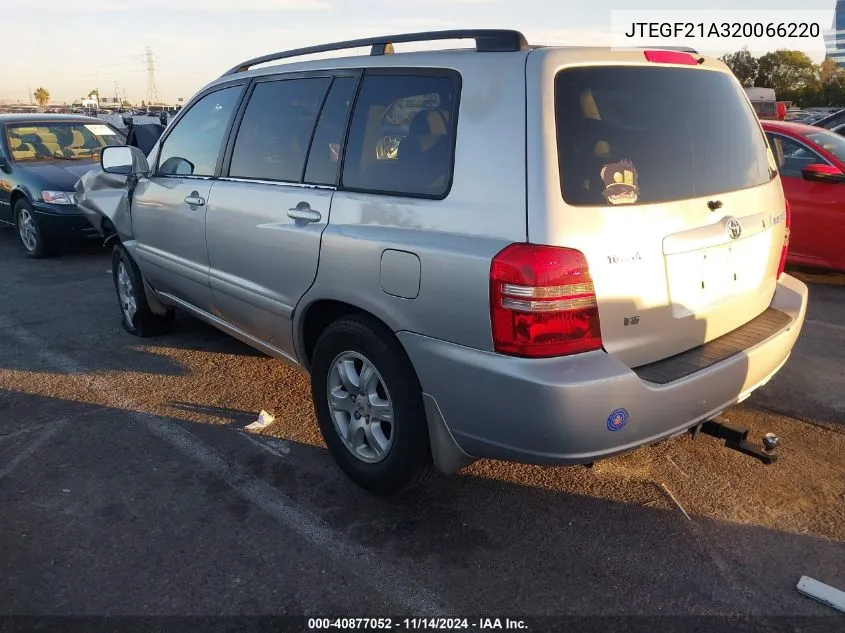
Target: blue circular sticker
column 617, row 420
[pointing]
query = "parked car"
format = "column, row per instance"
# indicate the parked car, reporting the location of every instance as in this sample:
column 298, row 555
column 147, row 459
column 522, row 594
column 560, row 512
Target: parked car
column 539, row 254
column 812, row 169
column 831, row 120
column 41, row 158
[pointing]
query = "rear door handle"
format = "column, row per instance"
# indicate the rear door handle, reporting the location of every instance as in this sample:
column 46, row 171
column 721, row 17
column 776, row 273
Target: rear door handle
column 303, row 211
column 195, row 199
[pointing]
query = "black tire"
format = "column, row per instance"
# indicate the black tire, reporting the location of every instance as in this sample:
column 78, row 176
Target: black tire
column 40, row 246
column 143, row 321
column 408, row 462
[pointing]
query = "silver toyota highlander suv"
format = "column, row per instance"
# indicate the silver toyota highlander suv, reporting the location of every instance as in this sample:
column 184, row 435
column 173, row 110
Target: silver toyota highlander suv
column 540, row 254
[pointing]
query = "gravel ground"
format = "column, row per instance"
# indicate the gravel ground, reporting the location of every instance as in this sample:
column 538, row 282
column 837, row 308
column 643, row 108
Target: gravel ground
column 128, row 487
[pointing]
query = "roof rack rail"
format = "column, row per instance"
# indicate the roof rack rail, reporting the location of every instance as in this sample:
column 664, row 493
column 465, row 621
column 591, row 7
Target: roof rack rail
column 486, row 41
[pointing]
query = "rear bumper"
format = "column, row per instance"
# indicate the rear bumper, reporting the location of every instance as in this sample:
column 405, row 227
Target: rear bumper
column 69, row 223
column 562, row 410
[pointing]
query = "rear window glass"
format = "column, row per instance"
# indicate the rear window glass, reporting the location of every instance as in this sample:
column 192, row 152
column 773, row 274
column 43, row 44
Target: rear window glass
column 646, row 135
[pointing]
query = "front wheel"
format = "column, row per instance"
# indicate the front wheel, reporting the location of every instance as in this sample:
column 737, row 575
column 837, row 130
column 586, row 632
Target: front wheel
column 369, row 406
column 30, row 237
column 138, row 319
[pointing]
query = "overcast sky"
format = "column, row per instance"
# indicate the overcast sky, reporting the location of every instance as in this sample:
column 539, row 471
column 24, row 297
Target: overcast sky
column 73, row 46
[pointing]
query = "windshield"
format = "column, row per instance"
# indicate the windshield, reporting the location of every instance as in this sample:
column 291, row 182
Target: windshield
column 645, row 135
column 60, row 141
column 828, row 141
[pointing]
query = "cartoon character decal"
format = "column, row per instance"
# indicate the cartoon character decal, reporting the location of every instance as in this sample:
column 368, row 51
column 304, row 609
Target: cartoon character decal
column 621, row 182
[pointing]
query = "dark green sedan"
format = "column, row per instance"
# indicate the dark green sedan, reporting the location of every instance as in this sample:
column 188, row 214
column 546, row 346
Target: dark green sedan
column 41, row 158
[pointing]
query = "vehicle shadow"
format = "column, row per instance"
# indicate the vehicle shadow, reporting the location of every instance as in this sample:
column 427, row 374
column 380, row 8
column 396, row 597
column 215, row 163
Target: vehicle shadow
column 817, row 276
column 809, row 387
column 70, row 250
column 485, row 545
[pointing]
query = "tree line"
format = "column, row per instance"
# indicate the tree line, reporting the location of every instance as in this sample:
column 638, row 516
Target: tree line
column 793, row 75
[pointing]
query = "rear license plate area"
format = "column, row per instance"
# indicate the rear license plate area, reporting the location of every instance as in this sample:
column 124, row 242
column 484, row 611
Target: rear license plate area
column 706, row 277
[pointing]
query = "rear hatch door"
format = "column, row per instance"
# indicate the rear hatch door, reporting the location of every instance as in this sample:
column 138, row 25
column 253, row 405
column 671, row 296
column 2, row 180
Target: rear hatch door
column 661, row 175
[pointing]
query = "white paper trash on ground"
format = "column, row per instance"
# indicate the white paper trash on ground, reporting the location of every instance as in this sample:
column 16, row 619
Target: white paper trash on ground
column 825, row 594
column 264, row 420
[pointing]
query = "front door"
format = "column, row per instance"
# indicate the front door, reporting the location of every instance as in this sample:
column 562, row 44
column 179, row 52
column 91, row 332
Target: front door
column 270, row 207
column 169, row 208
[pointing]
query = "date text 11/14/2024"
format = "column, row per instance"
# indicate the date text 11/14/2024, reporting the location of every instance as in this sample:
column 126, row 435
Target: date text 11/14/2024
column 416, row 624
column 726, row 30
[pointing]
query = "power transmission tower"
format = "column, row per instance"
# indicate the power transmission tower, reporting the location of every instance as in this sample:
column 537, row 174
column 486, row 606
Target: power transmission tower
column 152, row 90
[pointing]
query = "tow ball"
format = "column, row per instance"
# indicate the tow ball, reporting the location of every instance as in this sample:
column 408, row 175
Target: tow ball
column 736, row 438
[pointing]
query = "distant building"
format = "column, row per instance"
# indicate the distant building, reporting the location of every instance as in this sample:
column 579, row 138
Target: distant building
column 91, row 101
column 836, row 40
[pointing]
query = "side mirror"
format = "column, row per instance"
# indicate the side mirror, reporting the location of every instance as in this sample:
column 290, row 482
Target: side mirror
column 819, row 172
column 4, row 164
column 124, row 160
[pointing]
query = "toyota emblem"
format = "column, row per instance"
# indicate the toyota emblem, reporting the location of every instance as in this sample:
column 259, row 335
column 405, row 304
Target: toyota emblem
column 734, row 229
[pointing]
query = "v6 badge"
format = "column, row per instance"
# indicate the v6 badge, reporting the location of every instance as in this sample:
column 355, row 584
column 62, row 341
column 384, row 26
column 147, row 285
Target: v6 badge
column 632, row 320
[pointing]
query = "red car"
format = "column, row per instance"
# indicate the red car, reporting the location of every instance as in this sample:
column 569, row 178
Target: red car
column 811, row 161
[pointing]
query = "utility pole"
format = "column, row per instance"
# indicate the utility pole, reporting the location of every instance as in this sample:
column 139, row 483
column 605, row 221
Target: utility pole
column 152, row 90
column 30, row 95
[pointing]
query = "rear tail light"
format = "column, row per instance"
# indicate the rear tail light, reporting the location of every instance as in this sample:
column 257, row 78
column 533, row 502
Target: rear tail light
column 787, row 222
column 670, row 57
column 542, row 302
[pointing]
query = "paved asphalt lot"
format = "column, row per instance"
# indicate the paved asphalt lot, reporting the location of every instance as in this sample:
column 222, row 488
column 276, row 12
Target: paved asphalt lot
column 128, row 487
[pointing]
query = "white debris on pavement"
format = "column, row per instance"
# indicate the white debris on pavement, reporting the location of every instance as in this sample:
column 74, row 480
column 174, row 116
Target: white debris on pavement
column 264, row 420
column 825, row 594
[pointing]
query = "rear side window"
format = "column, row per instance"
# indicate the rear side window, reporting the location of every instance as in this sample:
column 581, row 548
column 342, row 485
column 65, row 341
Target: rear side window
column 275, row 132
column 646, row 135
column 193, row 146
column 401, row 140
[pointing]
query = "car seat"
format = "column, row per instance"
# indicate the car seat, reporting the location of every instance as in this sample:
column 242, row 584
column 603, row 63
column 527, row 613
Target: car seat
column 77, row 144
column 424, row 157
column 50, row 142
column 21, row 150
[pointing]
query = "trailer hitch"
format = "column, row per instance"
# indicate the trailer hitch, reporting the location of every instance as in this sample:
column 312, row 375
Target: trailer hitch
column 736, row 438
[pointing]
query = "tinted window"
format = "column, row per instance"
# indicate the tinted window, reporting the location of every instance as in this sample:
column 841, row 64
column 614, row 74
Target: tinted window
column 401, row 137
column 193, row 146
column 641, row 135
column 793, row 156
column 324, row 159
column 275, row 133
